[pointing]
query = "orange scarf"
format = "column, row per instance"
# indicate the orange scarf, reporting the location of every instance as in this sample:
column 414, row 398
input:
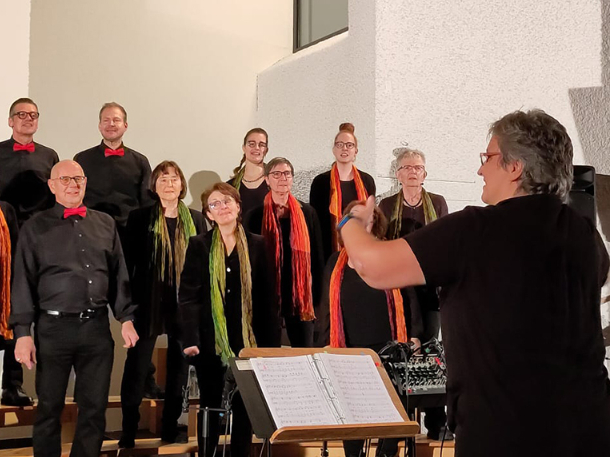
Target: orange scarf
column 336, row 201
column 396, row 311
column 302, row 300
column 5, row 278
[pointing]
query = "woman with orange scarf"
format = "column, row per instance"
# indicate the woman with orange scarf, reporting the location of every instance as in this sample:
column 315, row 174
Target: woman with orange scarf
column 333, row 190
column 293, row 239
column 353, row 314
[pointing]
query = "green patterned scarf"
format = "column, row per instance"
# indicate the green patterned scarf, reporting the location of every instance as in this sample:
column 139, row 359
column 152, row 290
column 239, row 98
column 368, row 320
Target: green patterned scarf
column 162, row 253
column 236, row 182
column 396, row 219
column 218, row 286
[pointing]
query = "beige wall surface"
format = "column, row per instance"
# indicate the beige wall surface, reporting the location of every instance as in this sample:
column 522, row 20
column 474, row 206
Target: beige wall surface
column 185, row 70
column 14, row 55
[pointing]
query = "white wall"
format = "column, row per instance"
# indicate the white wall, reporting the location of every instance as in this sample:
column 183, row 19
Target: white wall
column 185, row 71
column 440, row 73
column 14, row 55
column 304, row 97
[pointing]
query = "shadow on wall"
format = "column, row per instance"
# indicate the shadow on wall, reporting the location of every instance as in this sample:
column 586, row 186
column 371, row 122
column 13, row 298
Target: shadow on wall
column 199, row 182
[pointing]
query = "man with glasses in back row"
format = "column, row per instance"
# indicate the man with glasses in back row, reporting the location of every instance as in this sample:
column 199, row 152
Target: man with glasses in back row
column 69, row 269
column 25, row 166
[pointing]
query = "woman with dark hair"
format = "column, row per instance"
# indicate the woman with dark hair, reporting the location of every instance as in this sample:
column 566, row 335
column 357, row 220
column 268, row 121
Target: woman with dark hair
column 249, row 176
column 333, row 190
column 352, row 314
column 226, row 303
column 157, row 238
column 292, row 234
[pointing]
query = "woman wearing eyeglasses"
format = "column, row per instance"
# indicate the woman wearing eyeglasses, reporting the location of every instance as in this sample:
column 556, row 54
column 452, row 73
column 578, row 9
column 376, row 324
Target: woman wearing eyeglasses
column 293, row 238
column 411, row 209
column 249, row 176
column 157, row 238
column 333, row 190
column 226, row 303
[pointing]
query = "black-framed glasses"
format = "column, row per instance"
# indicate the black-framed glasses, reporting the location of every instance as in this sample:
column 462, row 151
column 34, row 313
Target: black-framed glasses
column 217, row 204
column 486, row 155
column 278, row 174
column 415, row 168
column 253, row 144
column 341, row 145
column 65, row 180
column 24, row 114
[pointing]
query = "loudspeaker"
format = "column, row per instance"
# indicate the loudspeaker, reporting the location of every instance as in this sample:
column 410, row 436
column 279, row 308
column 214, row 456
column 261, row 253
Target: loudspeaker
column 582, row 194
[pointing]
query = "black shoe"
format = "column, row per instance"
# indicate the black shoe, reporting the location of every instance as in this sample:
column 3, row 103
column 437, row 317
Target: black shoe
column 127, row 442
column 439, row 435
column 154, row 392
column 15, row 396
column 175, row 437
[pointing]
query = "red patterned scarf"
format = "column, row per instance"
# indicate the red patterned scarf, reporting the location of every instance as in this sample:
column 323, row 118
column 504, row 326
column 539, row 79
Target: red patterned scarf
column 302, row 301
column 336, row 201
column 396, row 311
column 5, row 278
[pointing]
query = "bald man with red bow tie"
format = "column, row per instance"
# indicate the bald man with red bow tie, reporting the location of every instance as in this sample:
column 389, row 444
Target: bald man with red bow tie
column 69, row 269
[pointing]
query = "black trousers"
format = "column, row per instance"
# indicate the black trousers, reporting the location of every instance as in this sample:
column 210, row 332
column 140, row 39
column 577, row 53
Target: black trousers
column 299, row 333
column 12, row 374
column 86, row 345
column 136, row 371
column 211, row 375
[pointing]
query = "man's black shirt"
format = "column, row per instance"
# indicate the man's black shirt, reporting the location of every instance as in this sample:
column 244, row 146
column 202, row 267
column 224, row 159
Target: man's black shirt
column 23, row 178
column 116, row 185
column 68, row 265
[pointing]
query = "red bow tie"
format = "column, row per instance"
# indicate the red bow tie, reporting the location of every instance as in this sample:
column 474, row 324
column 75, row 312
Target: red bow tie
column 114, row 152
column 80, row 211
column 23, row 147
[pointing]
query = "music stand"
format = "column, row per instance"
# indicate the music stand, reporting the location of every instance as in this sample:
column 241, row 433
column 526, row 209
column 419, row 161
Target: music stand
column 262, row 421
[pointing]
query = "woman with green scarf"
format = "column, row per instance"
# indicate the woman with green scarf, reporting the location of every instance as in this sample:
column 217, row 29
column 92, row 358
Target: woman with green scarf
column 410, row 209
column 157, row 238
column 226, row 303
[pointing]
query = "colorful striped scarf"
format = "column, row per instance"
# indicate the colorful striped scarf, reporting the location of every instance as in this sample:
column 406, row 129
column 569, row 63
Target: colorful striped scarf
column 396, row 219
column 302, row 300
column 162, row 251
column 5, row 278
column 218, row 278
column 236, row 181
column 336, row 201
column 396, row 311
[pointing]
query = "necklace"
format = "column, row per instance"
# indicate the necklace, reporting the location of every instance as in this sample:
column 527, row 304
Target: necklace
column 254, row 180
column 412, row 206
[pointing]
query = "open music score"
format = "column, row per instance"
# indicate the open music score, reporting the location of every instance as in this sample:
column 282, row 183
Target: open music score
column 324, row 389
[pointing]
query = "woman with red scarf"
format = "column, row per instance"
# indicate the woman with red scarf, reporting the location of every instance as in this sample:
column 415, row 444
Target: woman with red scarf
column 293, row 239
column 333, row 190
column 353, row 314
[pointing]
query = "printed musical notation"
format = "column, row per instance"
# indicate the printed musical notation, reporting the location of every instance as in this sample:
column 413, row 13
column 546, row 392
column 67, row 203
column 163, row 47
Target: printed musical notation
column 325, row 389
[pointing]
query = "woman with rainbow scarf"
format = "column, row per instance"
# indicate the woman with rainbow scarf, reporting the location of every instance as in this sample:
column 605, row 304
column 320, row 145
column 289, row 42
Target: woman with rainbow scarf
column 157, row 238
column 333, row 190
column 294, row 241
column 353, row 314
column 226, row 303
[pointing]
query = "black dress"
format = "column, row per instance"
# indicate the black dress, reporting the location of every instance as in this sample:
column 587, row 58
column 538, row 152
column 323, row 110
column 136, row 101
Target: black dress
column 197, row 325
column 300, row 333
column 319, row 198
column 520, row 310
column 155, row 315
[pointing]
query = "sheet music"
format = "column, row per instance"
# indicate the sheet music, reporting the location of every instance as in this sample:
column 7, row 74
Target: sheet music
column 292, row 391
column 360, row 389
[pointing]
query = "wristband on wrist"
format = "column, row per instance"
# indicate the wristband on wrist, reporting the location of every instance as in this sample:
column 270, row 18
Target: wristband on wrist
column 344, row 220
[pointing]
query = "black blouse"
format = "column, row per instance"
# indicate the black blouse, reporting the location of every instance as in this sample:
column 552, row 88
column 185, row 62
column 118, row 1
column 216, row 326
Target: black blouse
column 156, row 300
column 319, row 198
column 195, row 307
column 251, row 198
